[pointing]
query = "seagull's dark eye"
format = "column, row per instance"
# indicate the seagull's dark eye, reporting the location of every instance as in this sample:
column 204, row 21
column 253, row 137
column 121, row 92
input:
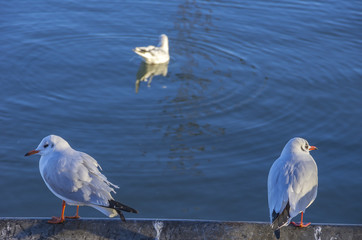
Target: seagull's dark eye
column 305, row 147
column 46, row 145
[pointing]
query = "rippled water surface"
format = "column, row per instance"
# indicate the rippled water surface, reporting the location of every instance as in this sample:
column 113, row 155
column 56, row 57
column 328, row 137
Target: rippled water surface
column 194, row 138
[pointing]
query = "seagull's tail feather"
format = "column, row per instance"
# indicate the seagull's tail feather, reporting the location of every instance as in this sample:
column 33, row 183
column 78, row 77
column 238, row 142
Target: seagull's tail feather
column 277, row 233
column 280, row 219
column 140, row 50
column 119, row 207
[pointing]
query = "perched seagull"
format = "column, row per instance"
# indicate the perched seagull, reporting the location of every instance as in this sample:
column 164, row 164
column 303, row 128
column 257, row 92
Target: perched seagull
column 75, row 178
column 155, row 55
column 292, row 184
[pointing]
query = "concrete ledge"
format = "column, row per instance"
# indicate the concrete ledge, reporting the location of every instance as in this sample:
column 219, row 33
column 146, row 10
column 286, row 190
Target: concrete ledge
column 135, row 229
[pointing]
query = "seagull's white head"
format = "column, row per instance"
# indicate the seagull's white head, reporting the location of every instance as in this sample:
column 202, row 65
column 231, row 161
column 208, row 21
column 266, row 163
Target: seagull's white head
column 164, row 42
column 298, row 145
column 48, row 145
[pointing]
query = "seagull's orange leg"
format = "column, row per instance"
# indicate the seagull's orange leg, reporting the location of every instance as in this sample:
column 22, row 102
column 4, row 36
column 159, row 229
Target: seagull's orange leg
column 60, row 219
column 76, row 216
column 301, row 224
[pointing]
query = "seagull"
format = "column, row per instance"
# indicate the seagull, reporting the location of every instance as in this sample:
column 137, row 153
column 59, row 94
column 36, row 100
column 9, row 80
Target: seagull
column 292, row 184
column 155, row 55
column 75, row 178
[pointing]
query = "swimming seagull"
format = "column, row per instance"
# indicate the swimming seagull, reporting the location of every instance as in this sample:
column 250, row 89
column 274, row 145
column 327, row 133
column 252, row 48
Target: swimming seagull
column 75, row 178
column 155, row 55
column 292, row 184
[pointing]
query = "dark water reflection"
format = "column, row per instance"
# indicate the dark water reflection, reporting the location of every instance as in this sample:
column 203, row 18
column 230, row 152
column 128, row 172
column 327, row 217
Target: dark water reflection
column 193, row 138
column 146, row 72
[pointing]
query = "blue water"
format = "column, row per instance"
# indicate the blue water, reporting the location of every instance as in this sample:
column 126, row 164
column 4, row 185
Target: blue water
column 198, row 140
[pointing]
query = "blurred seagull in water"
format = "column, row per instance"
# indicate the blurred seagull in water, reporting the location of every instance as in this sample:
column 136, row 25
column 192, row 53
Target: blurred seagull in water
column 75, row 178
column 155, row 55
column 292, row 184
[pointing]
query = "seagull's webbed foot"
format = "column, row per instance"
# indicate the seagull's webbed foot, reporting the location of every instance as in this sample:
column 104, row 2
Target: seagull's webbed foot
column 76, row 216
column 302, row 225
column 56, row 220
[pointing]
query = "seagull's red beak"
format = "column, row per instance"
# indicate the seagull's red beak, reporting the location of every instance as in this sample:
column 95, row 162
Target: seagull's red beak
column 31, row 152
column 312, row 148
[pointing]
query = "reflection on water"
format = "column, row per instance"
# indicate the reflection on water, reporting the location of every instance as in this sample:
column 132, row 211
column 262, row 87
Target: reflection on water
column 191, row 16
column 193, row 87
column 188, row 143
column 191, row 19
column 147, row 71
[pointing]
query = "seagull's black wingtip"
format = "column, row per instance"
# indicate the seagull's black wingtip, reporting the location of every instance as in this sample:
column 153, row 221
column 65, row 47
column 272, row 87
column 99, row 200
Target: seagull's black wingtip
column 277, row 233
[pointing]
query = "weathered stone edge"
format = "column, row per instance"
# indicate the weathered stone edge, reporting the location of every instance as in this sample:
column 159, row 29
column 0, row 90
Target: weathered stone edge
column 105, row 228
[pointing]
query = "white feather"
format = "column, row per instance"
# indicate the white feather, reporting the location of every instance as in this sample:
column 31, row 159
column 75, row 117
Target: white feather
column 155, row 55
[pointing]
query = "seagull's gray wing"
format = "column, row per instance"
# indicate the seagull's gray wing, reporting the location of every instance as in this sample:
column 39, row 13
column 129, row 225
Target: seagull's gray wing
column 76, row 177
column 303, row 185
column 144, row 50
column 277, row 189
column 152, row 54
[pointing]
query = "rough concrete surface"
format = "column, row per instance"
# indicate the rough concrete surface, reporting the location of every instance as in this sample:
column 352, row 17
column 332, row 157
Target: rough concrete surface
column 137, row 229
